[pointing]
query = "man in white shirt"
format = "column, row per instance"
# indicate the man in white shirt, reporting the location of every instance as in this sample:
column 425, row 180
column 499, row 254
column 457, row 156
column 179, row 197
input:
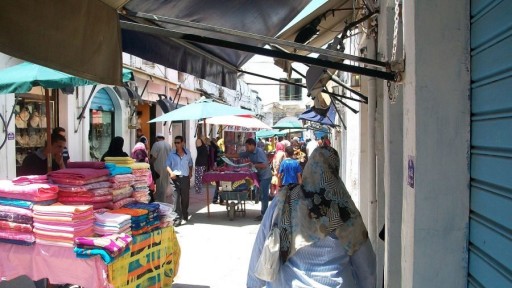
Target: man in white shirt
column 312, row 144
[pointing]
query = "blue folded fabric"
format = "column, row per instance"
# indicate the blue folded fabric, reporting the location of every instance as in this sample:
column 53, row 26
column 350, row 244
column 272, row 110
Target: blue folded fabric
column 16, row 203
column 105, row 256
column 117, row 170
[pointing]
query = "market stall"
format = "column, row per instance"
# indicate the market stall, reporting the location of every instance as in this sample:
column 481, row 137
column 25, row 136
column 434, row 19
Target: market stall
column 90, row 225
column 228, row 175
column 151, row 258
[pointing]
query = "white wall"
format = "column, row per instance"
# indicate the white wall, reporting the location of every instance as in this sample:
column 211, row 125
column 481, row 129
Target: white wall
column 436, row 133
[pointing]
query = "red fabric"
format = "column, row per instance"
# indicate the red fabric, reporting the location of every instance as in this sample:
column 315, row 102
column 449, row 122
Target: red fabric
column 90, row 164
column 78, row 173
column 11, row 226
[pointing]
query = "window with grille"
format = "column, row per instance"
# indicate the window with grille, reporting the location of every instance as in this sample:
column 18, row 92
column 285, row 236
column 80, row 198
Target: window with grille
column 289, row 92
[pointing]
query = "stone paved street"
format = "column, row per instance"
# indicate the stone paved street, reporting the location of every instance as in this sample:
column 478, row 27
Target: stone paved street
column 215, row 251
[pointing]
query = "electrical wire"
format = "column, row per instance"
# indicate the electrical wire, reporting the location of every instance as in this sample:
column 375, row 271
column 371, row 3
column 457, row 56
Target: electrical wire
column 5, row 131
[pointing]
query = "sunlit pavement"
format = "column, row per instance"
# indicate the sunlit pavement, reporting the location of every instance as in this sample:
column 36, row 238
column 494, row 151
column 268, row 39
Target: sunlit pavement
column 215, row 251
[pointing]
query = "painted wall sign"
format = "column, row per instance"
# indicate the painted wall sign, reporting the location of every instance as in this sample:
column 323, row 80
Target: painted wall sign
column 410, row 171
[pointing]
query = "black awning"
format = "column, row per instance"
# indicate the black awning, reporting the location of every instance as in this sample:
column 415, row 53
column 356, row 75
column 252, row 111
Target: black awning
column 265, row 18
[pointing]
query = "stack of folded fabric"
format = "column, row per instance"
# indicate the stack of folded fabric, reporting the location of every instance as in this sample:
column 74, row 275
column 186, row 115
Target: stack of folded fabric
column 85, row 183
column 111, row 223
column 108, row 247
column 59, row 224
column 36, row 190
column 153, row 215
column 17, row 199
column 120, row 161
column 16, row 222
column 166, row 214
column 122, row 190
column 142, row 180
column 139, row 219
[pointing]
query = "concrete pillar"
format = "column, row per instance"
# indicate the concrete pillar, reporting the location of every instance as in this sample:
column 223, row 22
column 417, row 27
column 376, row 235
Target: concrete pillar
column 393, row 150
column 436, row 143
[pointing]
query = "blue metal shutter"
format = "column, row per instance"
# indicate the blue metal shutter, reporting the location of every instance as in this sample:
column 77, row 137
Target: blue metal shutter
column 490, row 223
column 102, row 101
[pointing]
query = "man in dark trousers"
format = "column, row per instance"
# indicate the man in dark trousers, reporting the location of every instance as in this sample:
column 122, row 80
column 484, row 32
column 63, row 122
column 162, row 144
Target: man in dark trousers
column 179, row 165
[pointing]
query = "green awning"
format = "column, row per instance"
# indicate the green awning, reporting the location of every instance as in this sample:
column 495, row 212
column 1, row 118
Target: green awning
column 23, row 77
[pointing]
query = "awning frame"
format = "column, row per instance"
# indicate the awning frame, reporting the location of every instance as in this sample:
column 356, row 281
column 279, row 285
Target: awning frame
column 159, row 31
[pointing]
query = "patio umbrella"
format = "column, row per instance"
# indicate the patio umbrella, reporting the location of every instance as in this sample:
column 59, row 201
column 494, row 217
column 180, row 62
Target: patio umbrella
column 23, row 77
column 269, row 133
column 247, row 122
column 200, row 110
column 290, row 122
column 329, row 119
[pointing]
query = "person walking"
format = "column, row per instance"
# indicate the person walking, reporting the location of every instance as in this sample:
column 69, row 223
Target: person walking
column 179, row 165
column 158, row 158
column 322, row 236
column 259, row 161
column 139, row 152
column 290, row 171
column 200, row 164
column 279, row 156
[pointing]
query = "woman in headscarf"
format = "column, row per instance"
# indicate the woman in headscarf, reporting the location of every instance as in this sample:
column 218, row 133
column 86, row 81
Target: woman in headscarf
column 276, row 162
column 115, row 149
column 323, row 240
column 139, row 151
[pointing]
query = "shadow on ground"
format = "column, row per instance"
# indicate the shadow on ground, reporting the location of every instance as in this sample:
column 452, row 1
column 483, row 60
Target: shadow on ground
column 178, row 285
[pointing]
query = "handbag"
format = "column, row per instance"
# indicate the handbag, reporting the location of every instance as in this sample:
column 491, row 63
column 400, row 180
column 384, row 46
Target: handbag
column 268, row 264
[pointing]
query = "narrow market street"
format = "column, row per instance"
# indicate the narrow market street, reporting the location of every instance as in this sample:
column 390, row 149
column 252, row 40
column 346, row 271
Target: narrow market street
column 215, row 251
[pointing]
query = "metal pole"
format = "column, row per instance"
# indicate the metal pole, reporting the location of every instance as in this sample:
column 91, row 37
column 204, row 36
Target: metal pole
column 49, row 117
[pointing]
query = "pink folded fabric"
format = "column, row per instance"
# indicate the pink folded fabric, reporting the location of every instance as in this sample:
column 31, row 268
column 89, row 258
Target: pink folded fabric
column 78, row 173
column 31, row 179
column 51, row 241
column 17, row 210
column 86, row 187
column 60, row 234
column 112, row 243
column 60, row 228
column 123, row 202
column 96, row 205
column 57, row 207
column 90, row 164
column 15, row 235
column 122, row 178
column 78, row 182
column 31, row 192
column 86, row 199
column 90, row 193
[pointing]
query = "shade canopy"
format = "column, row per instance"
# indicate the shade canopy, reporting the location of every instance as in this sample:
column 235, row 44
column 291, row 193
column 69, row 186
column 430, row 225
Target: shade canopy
column 201, row 109
column 269, row 133
column 245, row 121
column 290, row 122
column 329, row 119
column 84, row 38
column 23, row 77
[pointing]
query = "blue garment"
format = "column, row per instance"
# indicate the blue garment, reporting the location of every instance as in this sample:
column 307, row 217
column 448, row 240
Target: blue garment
column 324, row 263
column 290, row 168
column 264, row 189
column 179, row 165
column 256, row 157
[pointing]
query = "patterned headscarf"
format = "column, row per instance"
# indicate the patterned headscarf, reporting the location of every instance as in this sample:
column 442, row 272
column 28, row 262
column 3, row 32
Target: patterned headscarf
column 279, row 146
column 318, row 207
